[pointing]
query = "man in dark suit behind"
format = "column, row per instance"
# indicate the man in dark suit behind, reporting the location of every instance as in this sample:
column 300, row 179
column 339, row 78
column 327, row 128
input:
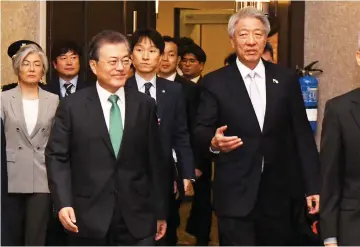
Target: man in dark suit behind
column 192, row 62
column 246, row 113
column 66, row 62
column 340, row 170
column 167, row 70
column 147, row 51
column 103, row 158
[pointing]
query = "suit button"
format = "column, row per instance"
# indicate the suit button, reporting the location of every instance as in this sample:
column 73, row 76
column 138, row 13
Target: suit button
column 38, row 148
column 20, row 148
column 43, row 129
column 17, row 129
column 115, row 192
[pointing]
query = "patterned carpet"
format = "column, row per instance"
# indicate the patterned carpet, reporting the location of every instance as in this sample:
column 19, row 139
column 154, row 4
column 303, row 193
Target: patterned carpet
column 186, row 239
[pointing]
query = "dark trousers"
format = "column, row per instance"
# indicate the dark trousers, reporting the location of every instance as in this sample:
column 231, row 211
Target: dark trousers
column 173, row 222
column 28, row 214
column 199, row 221
column 269, row 223
column 117, row 235
column 56, row 234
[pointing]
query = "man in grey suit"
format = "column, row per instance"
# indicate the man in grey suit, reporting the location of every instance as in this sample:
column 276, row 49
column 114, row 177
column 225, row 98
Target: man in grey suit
column 27, row 112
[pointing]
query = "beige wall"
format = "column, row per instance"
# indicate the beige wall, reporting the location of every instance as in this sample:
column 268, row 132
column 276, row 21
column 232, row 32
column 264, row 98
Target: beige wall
column 19, row 20
column 331, row 32
column 165, row 21
column 215, row 41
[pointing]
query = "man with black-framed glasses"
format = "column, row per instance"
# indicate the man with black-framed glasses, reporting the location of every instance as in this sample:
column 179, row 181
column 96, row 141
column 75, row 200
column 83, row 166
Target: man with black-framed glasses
column 192, row 62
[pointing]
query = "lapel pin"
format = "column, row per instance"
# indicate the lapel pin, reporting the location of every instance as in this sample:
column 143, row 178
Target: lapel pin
column 163, row 91
column 275, row 81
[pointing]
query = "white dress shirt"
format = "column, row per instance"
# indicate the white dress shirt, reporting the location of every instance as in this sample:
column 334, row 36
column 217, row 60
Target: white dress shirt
column 106, row 104
column 195, row 79
column 141, row 85
column 172, row 77
column 31, row 108
column 73, row 81
column 260, row 79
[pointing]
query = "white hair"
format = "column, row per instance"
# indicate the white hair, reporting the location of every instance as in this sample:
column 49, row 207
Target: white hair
column 23, row 52
column 245, row 13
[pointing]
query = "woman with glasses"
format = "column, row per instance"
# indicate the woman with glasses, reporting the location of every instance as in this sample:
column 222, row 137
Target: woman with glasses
column 27, row 112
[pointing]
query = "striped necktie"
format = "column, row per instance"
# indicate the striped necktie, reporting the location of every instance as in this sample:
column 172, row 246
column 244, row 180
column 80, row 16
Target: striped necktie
column 68, row 85
column 148, row 85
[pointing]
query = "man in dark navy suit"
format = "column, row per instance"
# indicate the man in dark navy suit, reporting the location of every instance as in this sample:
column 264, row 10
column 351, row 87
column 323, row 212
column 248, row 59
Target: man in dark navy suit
column 147, row 51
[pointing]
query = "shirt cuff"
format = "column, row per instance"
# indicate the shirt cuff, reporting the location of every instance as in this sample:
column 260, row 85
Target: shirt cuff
column 330, row 240
column 213, row 151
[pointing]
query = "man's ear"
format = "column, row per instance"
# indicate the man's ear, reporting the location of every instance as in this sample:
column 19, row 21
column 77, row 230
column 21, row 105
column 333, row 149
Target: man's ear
column 93, row 64
column 358, row 57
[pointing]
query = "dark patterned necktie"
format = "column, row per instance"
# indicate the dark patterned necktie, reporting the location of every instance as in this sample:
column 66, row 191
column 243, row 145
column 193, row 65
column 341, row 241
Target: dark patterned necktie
column 68, row 87
column 148, row 85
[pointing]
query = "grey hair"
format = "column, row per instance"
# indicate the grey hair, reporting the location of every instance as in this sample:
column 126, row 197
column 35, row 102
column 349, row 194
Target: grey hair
column 23, row 52
column 248, row 12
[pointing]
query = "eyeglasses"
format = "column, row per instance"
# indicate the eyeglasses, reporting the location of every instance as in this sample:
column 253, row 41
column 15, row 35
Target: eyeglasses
column 26, row 65
column 125, row 62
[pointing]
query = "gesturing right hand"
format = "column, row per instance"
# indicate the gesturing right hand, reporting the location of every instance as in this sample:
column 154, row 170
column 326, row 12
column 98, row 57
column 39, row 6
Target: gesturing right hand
column 67, row 219
column 224, row 143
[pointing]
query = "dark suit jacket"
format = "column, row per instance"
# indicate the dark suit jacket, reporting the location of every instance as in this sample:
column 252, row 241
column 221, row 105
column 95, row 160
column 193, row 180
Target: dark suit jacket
column 53, row 86
column 191, row 93
column 174, row 133
column 84, row 173
column 225, row 101
column 340, row 169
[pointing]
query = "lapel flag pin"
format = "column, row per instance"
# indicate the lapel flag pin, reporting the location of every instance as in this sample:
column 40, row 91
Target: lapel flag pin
column 275, row 81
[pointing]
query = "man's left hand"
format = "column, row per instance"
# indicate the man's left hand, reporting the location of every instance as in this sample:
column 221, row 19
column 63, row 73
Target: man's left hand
column 313, row 203
column 161, row 229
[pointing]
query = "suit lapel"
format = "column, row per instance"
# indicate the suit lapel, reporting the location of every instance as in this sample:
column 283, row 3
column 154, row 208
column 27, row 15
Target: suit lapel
column 160, row 97
column 18, row 110
column 238, row 90
column 271, row 96
column 131, row 111
column 43, row 108
column 355, row 109
column 96, row 114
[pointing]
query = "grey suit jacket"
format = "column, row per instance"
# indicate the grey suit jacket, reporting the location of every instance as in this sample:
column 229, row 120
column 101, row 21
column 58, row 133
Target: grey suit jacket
column 25, row 153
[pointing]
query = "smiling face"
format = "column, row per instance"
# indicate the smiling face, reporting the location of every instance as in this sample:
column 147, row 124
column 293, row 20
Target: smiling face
column 112, row 67
column 249, row 41
column 31, row 69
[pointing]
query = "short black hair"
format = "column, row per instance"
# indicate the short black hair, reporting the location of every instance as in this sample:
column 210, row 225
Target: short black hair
column 151, row 34
column 64, row 47
column 183, row 42
column 230, row 59
column 167, row 38
column 105, row 37
column 268, row 47
column 196, row 51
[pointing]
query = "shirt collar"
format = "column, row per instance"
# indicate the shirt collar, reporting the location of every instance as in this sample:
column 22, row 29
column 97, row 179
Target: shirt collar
column 72, row 81
column 244, row 71
column 140, row 81
column 172, row 77
column 195, row 79
column 104, row 94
